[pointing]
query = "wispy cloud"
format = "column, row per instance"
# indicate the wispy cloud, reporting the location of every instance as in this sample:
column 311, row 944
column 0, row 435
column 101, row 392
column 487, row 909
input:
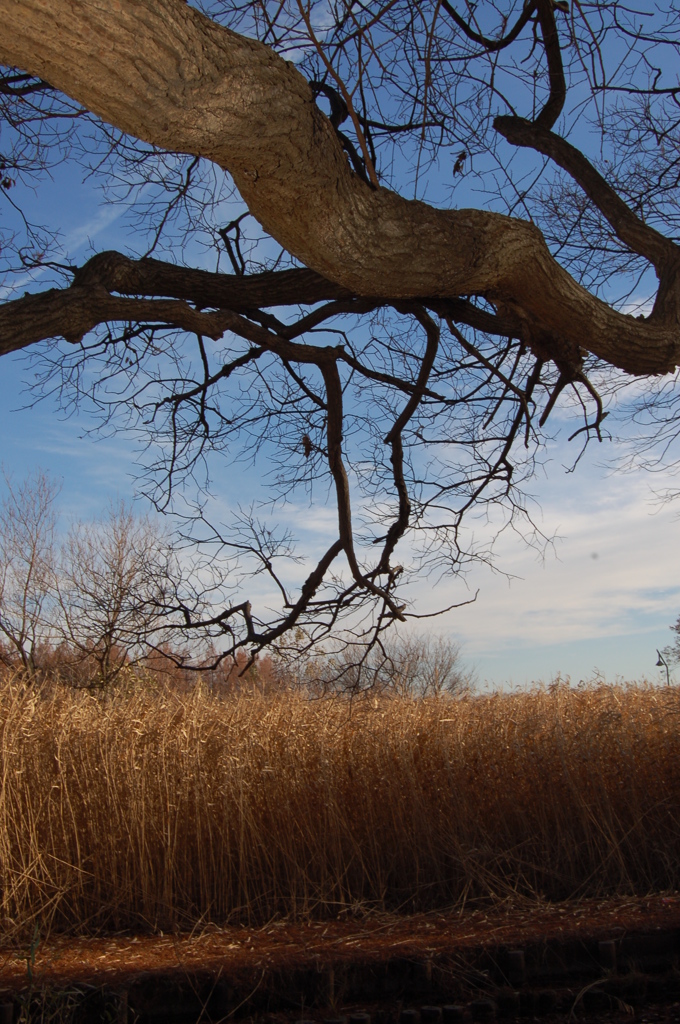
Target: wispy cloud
column 611, row 574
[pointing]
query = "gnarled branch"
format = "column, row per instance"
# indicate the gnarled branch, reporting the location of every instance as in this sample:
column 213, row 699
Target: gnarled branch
column 163, row 72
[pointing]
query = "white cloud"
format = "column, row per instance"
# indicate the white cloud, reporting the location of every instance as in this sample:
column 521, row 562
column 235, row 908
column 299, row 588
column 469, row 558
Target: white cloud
column 610, row 581
column 104, row 217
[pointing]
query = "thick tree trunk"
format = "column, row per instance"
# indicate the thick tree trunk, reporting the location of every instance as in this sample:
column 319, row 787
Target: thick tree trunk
column 159, row 70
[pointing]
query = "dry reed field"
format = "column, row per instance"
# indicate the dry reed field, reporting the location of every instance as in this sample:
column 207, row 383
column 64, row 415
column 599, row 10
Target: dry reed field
column 167, row 811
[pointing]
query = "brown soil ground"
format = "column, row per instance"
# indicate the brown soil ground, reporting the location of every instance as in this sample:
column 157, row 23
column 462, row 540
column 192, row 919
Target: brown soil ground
column 115, row 960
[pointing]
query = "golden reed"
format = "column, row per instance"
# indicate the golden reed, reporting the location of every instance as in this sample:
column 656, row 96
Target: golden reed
column 165, row 810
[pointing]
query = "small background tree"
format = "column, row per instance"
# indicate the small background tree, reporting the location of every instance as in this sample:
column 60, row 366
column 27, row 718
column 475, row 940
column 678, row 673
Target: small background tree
column 406, row 665
column 111, row 587
column 27, row 529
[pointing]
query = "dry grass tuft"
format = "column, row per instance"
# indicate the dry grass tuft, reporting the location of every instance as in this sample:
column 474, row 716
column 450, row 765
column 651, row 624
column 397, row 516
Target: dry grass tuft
column 166, row 811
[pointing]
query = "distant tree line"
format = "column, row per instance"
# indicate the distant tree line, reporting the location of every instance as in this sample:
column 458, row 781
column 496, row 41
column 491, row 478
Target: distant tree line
column 92, row 601
column 106, row 598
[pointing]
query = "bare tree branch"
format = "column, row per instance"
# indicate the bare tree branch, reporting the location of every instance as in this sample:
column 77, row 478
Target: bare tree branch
column 348, row 375
column 234, row 101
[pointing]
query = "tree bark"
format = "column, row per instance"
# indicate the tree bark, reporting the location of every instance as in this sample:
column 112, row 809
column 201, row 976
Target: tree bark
column 72, row 312
column 164, row 73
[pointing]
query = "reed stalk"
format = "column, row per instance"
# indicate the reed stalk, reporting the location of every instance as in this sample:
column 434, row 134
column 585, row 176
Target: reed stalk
column 161, row 810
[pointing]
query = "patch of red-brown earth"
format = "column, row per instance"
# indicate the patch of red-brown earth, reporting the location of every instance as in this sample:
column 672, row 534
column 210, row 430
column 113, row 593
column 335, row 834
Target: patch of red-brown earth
column 282, row 945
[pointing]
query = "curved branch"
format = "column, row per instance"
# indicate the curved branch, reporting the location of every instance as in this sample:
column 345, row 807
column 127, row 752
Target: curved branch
column 491, row 45
column 551, row 42
column 165, row 73
column 394, row 438
column 72, row 312
column 119, row 273
column 630, row 230
column 21, row 85
column 335, row 420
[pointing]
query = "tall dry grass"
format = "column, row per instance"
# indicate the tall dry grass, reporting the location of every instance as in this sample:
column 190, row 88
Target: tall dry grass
column 165, row 810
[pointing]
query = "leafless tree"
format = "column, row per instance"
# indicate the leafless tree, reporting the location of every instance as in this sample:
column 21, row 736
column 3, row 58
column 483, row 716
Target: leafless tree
column 27, row 525
column 671, row 653
column 111, row 583
column 416, row 665
column 446, row 218
column 425, row 666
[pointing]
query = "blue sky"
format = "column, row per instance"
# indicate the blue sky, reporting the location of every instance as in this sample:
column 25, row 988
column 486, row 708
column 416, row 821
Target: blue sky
column 601, row 598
